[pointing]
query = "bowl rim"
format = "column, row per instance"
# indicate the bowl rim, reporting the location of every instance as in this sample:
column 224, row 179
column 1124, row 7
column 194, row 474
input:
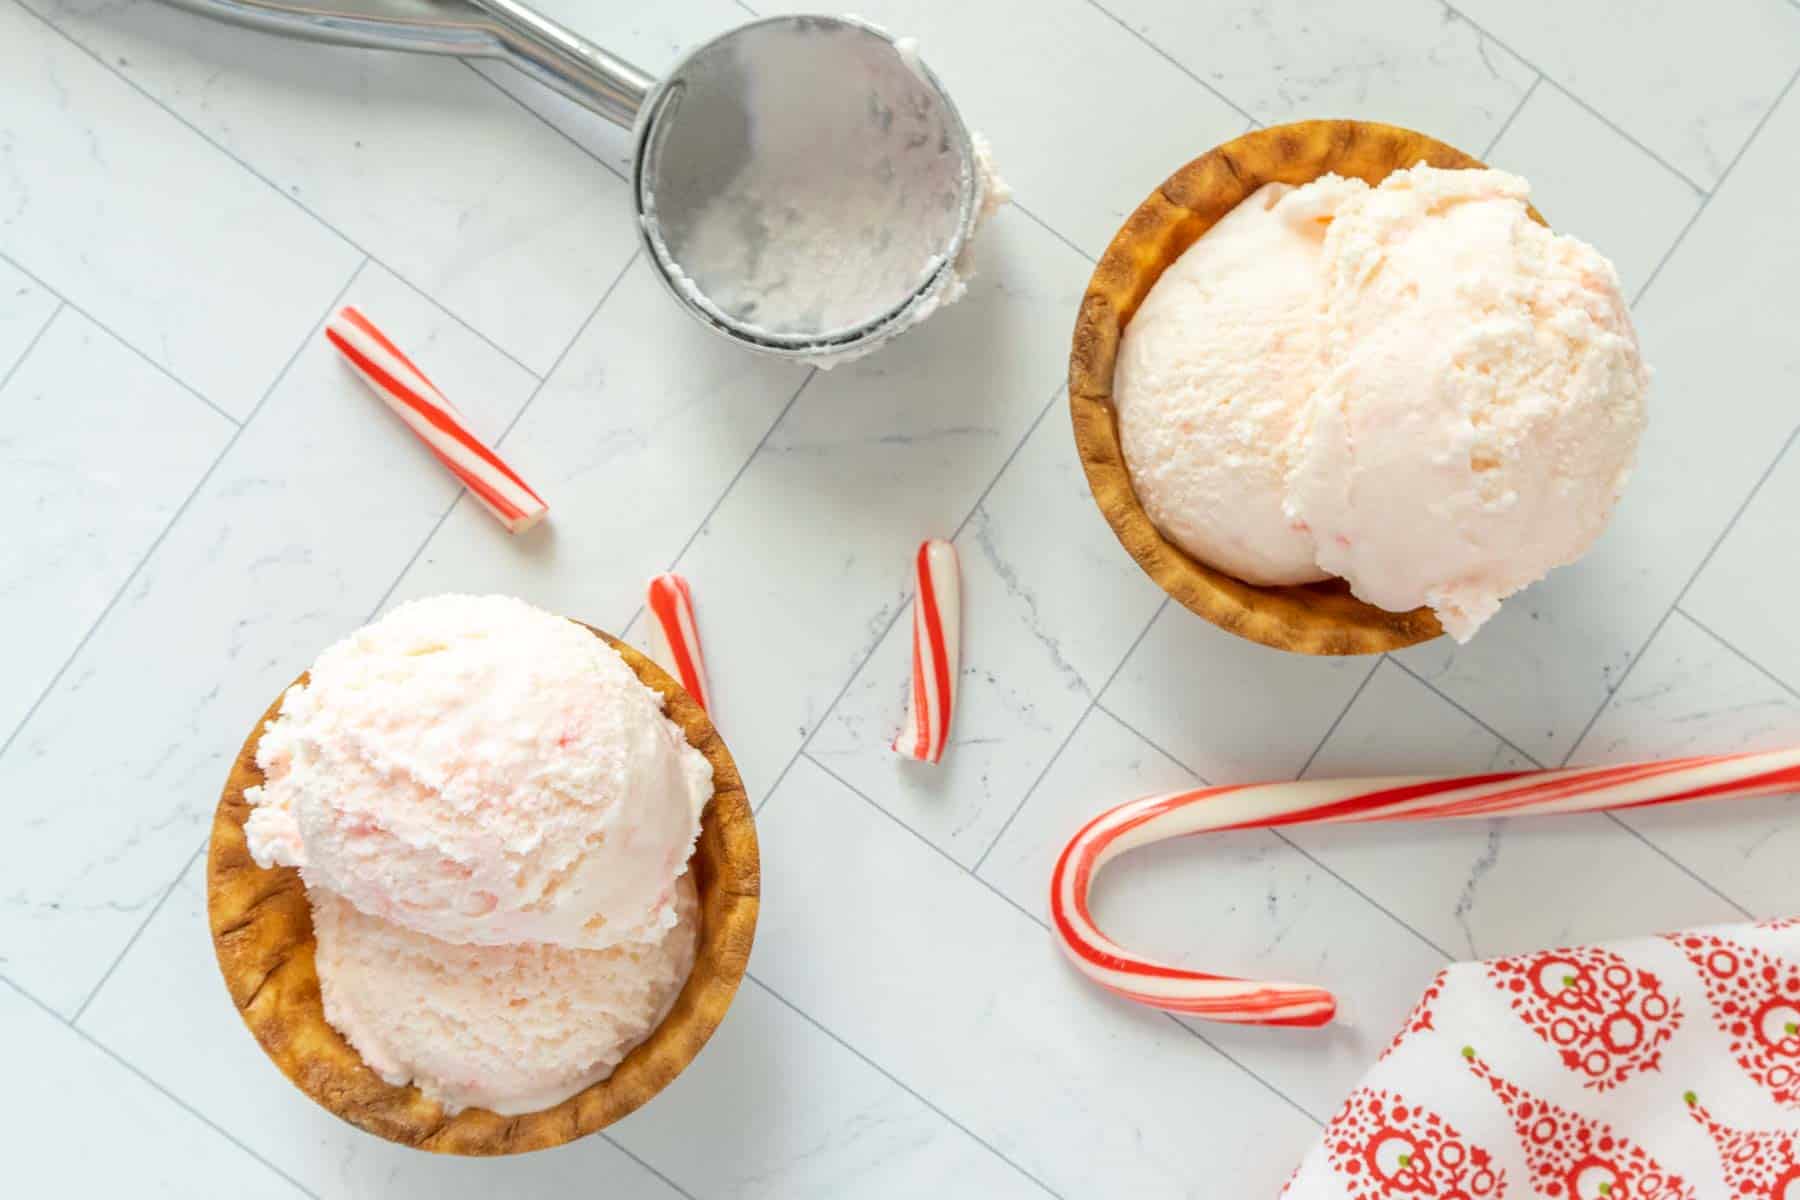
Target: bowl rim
column 1321, row 618
column 261, row 927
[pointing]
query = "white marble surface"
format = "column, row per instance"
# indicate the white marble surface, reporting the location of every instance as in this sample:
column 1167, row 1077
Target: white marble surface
column 200, row 498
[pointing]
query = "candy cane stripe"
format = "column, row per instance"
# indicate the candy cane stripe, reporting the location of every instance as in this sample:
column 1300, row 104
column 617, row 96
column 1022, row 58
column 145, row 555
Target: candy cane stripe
column 675, row 637
column 937, row 647
column 435, row 414
column 1203, row 810
column 502, row 507
column 354, row 316
column 418, row 402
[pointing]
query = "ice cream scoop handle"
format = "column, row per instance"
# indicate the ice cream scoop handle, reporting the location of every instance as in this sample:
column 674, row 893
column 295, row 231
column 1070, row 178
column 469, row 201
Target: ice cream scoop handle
column 503, row 29
column 1261, row 806
column 572, row 65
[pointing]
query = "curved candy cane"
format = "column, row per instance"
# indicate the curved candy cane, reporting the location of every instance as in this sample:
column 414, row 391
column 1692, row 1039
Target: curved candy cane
column 1267, row 805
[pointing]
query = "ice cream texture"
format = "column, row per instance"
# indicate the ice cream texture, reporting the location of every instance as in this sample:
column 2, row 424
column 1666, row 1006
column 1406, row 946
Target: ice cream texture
column 1481, row 398
column 493, row 818
column 1213, row 372
column 512, row 1029
column 1415, row 387
column 483, row 772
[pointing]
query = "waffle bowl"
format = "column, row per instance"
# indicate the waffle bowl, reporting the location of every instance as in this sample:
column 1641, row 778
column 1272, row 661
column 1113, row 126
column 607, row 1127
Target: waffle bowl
column 262, row 934
column 1318, row 618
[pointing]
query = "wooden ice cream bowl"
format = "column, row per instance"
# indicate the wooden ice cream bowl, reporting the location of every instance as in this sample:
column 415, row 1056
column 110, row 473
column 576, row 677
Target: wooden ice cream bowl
column 263, row 936
column 1318, row 618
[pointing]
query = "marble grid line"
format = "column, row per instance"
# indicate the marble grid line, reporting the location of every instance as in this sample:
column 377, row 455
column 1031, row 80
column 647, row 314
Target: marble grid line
column 1163, row 54
column 1773, row 678
column 546, row 122
column 236, row 432
column 1330, row 729
column 1457, row 705
column 1679, row 865
column 38, row 336
column 1050, row 229
column 1296, row 847
column 623, row 1149
column 189, row 1109
column 1681, row 596
column 1093, row 702
column 124, row 951
column 739, row 473
column 906, row 597
column 894, row 1079
column 1592, row 111
column 64, row 302
column 1706, row 198
column 1040, row 923
column 724, row 495
column 1487, row 154
column 113, row 70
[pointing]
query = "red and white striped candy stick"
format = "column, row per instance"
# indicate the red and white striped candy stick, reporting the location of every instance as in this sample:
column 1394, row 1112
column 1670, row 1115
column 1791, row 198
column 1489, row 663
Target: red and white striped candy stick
column 675, row 638
column 937, row 651
column 1266, row 805
column 418, row 402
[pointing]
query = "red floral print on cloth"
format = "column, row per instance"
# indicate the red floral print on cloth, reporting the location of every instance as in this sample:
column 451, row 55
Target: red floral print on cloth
column 1574, row 1158
column 1384, row 1148
column 1606, row 1019
column 1755, row 999
column 1421, row 1017
column 1758, row 1165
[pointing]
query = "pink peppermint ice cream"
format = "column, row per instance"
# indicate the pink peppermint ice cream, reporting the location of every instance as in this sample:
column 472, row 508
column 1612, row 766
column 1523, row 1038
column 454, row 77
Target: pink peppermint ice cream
column 1214, row 369
column 1415, row 387
column 483, row 772
column 1480, row 399
column 493, row 818
column 512, row 1029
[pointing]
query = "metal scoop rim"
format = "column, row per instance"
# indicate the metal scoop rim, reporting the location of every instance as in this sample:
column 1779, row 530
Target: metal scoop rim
column 798, row 345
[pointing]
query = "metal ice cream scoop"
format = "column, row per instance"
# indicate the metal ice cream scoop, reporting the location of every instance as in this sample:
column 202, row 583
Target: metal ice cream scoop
column 803, row 184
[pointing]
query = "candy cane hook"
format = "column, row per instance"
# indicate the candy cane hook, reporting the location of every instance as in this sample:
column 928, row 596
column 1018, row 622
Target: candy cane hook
column 1268, row 805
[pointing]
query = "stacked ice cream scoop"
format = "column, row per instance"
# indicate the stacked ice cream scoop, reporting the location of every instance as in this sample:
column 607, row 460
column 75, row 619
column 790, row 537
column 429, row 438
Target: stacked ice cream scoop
column 493, row 818
column 1415, row 387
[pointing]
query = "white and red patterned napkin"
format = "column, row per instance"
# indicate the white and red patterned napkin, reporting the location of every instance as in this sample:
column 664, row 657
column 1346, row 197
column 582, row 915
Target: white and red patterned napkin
column 1661, row 1069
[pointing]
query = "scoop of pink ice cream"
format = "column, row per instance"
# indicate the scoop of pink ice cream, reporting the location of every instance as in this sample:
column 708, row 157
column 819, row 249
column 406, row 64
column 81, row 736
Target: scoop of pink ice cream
column 481, row 771
column 512, row 1029
column 1480, row 402
column 1214, row 369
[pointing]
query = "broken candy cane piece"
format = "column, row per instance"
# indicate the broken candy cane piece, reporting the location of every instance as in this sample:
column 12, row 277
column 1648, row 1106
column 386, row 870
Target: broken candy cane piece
column 937, row 650
column 674, row 636
column 1265, row 805
column 417, row 401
